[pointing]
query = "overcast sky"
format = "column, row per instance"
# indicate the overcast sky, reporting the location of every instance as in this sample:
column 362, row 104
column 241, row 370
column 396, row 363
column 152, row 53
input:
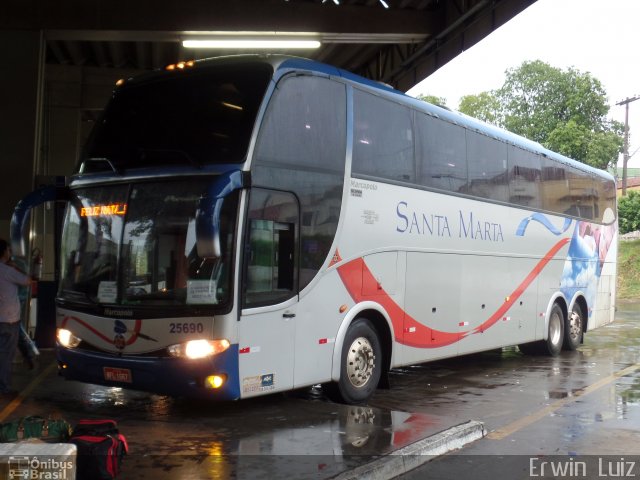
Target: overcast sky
column 596, row 36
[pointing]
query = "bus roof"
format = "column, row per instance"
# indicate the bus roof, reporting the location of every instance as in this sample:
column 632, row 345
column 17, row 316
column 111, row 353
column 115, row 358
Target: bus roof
column 283, row 64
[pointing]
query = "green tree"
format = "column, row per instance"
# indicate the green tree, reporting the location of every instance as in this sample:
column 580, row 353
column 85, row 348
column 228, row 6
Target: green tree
column 629, row 212
column 564, row 110
column 432, row 99
column 485, row 106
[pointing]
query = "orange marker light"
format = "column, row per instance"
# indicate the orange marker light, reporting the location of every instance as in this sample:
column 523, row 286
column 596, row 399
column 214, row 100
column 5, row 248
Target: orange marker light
column 181, row 65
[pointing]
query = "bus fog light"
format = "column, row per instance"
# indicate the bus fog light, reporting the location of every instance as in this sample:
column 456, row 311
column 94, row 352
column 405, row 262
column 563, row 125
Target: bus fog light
column 215, row 381
column 195, row 349
column 67, row 339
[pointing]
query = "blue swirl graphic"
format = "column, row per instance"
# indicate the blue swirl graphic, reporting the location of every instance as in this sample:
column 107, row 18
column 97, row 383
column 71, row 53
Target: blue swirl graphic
column 542, row 219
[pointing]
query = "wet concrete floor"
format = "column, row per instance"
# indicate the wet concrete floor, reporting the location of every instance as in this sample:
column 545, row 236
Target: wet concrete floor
column 578, row 414
column 580, row 403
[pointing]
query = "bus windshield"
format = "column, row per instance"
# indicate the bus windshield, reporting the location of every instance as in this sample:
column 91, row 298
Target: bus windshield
column 204, row 116
column 136, row 245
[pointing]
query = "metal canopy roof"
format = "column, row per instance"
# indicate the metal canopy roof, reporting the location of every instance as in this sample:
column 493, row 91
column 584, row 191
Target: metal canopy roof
column 400, row 45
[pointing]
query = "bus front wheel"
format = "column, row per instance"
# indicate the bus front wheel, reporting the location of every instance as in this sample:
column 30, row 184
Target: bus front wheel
column 360, row 365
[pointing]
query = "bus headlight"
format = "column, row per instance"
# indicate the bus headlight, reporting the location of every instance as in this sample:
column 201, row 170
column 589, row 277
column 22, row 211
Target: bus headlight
column 67, row 339
column 195, row 349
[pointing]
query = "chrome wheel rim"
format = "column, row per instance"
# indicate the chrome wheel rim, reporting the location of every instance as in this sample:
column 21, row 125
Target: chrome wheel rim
column 575, row 325
column 360, row 362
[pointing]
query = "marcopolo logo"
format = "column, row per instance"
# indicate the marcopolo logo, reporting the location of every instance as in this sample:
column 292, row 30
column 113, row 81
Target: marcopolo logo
column 38, row 468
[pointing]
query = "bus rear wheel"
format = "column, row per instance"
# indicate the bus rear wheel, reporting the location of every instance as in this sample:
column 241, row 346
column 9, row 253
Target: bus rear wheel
column 555, row 332
column 360, row 365
column 574, row 328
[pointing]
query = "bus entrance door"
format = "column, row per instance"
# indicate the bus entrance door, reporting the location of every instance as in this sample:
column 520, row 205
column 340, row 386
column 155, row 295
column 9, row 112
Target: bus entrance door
column 267, row 324
column 267, row 349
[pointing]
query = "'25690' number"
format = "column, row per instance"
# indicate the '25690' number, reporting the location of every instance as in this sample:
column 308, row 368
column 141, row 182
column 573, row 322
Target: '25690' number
column 186, row 327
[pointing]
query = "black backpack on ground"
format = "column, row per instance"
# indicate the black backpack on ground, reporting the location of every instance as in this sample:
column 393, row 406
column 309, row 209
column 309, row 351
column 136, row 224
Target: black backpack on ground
column 100, row 449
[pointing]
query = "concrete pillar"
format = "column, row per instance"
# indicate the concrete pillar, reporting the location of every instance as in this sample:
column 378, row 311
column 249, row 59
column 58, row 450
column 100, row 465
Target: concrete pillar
column 21, row 77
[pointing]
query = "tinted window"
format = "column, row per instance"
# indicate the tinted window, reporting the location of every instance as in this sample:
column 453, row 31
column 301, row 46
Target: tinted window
column 606, row 200
column 382, row 138
column 92, row 242
column 305, row 126
column 525, row 172
column 487, row 166
column 136, row 245
column 554, row 186
column 307, row 161
column 441, row 154
column 191, row 118
column 581, row 193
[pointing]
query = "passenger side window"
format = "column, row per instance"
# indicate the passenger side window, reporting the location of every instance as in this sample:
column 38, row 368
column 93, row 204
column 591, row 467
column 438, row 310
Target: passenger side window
column 606, row 200
column 487, row 161
column 271, row 254
column 383, row 139
column 524, row 177
column 302, row 148
column 582, row 194
column 441, row 154
column 554, row 186
column 305, row 126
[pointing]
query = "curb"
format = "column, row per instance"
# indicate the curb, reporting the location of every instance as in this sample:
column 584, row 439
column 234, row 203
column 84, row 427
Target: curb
column 412, row 456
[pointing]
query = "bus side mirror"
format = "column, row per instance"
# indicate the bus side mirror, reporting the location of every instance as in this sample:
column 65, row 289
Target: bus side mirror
column 209, row 209
column 20, row 219
column 208, row 227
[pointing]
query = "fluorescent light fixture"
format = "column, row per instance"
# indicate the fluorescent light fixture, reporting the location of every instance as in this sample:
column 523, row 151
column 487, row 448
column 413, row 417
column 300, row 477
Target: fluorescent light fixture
column 262, row 44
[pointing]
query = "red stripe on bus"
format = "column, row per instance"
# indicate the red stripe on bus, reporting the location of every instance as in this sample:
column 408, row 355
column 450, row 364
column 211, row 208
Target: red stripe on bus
column 356, row 273
column 136, row 330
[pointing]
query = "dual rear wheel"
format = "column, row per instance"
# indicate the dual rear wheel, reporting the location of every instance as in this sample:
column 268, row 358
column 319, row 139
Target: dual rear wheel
column 561, row 333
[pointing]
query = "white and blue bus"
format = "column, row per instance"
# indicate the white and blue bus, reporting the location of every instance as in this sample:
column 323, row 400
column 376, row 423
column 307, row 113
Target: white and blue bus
column 246, row 225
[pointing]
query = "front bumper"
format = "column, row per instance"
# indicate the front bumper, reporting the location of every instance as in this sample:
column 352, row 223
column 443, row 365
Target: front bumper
column 163, row 375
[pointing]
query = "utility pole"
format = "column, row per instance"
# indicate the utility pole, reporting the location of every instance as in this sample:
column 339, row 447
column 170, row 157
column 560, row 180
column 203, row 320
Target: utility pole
column 625, row 153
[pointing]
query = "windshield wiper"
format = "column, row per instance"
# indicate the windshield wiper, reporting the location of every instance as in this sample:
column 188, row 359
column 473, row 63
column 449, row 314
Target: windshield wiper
column 76, row 296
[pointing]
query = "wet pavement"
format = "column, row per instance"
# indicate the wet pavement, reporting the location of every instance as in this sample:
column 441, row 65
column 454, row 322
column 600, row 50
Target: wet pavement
column 579, row 413
column 578, row 404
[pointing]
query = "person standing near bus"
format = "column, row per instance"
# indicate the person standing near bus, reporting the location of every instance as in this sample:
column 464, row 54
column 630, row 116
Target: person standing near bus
column 10, row 280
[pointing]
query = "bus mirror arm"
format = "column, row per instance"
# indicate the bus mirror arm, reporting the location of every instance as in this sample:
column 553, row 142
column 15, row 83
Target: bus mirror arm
column 209, row 212
column 21, row 214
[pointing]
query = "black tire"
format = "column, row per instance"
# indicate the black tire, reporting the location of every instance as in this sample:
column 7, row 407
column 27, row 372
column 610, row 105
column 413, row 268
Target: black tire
column 555, row 332
column 555, row 336
column 360, row 365
column 573, row 328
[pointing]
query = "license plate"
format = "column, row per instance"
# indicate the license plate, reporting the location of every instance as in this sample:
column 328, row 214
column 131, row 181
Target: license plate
column 117, row 374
